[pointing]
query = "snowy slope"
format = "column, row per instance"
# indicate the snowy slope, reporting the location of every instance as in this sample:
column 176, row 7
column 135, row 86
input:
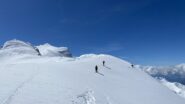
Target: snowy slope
column 60, row 80
column 174, row 86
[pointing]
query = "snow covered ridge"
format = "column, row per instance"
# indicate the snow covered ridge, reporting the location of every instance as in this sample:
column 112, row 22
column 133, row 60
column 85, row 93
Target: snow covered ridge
column 17, row 47
column 65, row 80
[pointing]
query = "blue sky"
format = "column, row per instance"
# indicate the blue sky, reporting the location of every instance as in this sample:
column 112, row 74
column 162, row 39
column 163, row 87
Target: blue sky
column 148, row 32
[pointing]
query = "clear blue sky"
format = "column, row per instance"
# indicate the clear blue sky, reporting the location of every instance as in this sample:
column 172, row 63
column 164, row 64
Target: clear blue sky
column 148, row 32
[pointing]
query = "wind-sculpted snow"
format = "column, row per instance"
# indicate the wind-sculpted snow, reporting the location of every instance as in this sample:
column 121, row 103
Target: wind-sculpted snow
column 56, row 80
column 52, row 51
column 15, row 44
column 17, row 47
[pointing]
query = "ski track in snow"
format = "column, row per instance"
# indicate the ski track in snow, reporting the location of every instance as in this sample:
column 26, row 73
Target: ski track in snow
column 16, row 91
column 9, row 99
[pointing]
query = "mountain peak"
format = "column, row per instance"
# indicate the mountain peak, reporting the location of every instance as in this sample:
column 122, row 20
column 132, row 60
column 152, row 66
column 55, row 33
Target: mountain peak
column 50, row 50
column 16, row 47
column 14, row 43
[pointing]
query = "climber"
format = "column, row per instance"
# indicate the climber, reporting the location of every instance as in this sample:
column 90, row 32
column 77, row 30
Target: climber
column 103, row 63
column 132, row 65
column 96, row 69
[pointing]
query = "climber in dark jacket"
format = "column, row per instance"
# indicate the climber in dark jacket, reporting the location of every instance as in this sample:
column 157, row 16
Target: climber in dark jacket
column 96, row 69
column 103, row 63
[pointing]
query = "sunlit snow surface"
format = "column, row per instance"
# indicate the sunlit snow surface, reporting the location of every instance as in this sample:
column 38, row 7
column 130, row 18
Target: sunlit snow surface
column 26, row 79
column 174, row 86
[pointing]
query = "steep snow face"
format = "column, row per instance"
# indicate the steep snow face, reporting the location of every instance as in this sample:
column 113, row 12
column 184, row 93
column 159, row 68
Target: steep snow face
column 52, row 51
column 174, row 86
column 17, row 47
column 56, row 80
